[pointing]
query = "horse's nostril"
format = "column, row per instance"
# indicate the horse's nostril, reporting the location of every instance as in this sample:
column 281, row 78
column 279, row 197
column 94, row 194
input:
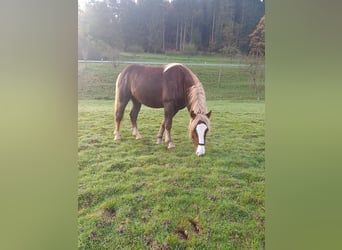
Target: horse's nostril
column 200, row 150
column 199, row 153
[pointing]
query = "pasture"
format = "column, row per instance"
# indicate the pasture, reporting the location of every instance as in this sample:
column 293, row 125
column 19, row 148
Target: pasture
column 139, row 195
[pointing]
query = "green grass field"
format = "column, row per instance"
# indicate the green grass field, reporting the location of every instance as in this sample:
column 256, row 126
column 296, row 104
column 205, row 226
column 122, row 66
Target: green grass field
column 139, row 195
column 174, row 57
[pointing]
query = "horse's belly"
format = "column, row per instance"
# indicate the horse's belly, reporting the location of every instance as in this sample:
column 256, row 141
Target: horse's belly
column 152, row 103
column 150, row 98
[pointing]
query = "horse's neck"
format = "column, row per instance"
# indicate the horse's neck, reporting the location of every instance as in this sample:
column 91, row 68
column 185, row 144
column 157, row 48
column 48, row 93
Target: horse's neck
column 197, row 101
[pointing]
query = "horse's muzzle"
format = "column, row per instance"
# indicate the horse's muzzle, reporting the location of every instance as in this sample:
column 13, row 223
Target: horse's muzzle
column 200, row 150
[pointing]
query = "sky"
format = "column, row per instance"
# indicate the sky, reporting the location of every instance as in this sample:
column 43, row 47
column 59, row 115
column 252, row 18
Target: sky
column 82, row 3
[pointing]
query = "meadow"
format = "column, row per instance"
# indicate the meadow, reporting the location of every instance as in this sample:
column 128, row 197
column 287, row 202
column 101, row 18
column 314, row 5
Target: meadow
column 139, row 195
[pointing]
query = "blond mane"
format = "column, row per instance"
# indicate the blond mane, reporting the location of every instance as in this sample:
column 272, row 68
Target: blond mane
column 197, row 103
column 170, row 65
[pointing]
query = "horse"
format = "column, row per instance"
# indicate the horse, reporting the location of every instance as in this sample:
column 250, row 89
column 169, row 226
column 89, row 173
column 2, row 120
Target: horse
column 172, row 87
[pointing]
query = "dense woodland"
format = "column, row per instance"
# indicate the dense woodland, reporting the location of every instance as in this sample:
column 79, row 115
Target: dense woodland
column 227, row 27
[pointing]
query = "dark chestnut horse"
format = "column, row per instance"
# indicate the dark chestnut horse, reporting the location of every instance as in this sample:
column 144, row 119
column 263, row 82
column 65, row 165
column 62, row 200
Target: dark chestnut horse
column 172, row 87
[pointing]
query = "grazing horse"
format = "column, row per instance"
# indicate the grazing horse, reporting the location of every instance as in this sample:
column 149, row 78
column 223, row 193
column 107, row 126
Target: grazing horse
column 172, row 87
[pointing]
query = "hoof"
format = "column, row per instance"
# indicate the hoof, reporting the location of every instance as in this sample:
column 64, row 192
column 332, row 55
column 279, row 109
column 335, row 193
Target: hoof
column 117, row 136
column 171, row 146
column 159, row 141
column 136, row 133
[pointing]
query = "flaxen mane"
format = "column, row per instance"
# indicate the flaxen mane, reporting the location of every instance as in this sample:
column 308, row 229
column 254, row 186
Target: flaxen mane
column 197, row 103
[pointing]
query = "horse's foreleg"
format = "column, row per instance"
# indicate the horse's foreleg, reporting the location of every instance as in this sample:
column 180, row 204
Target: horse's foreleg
column 169, row 111
column 160, row 133
column 168, row 139
column 134, row 115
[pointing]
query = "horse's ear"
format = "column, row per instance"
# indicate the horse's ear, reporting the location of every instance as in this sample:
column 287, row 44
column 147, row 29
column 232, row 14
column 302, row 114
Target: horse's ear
column 208, row 114
column 192, row 114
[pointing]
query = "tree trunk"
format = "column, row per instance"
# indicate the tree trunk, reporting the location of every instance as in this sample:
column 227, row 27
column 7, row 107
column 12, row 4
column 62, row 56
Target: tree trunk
column 177, row 36
column 191, row 27
column 181, row 37
column 213, row 26
column 184, row 36
column 163, row 45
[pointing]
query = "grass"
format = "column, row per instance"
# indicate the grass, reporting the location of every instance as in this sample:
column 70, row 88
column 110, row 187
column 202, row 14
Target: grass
column 139, row 195
column 181, row 58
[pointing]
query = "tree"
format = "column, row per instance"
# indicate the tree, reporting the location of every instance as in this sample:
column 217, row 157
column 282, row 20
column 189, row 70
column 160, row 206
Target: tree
column 257, row 40
column 220, row 26
column 99, row 32
column 256, row 57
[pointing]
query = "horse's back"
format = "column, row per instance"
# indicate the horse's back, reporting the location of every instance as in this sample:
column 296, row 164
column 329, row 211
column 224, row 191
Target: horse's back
column 153, row 85
column 145, row 84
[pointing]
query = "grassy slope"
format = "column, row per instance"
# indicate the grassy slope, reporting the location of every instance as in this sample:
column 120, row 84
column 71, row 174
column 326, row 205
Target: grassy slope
column 139, row 195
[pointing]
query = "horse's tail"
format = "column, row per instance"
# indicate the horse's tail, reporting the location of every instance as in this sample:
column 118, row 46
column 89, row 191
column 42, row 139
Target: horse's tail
column 118, row 80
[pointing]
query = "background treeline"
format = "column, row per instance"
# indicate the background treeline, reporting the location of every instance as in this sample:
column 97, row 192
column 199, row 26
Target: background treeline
column 159, row 26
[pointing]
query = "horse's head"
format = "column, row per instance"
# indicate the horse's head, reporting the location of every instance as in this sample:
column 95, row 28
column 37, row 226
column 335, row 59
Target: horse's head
column 199, row 126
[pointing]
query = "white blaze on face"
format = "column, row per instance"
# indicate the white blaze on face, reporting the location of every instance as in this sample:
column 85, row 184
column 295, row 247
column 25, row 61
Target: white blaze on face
column 200, row 129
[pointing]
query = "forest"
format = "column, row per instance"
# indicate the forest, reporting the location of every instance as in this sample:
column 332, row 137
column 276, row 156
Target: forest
column 226, row 27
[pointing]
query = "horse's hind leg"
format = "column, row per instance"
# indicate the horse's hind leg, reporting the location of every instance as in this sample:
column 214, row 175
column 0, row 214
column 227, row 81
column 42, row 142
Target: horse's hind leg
column 119, row 112
column 134, row 115
column 120, row 105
